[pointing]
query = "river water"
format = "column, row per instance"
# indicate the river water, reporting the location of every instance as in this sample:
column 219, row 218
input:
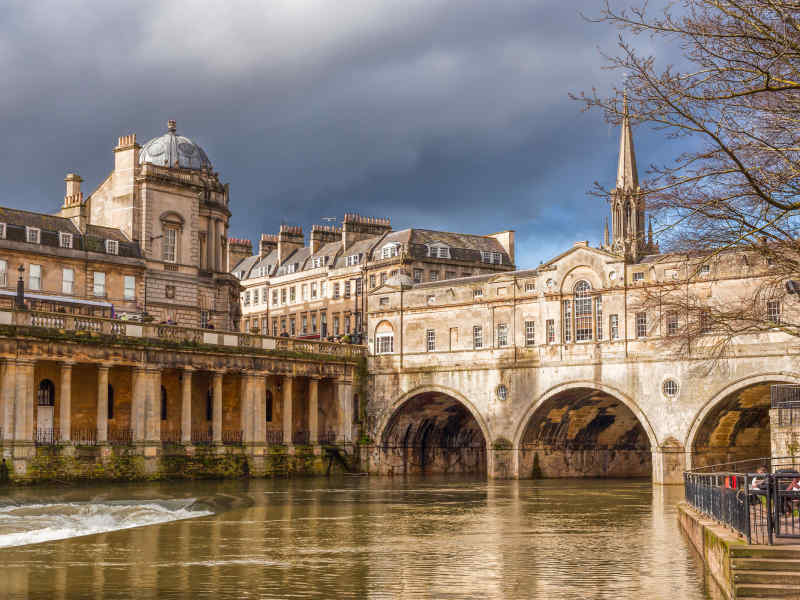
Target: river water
column 349, row 537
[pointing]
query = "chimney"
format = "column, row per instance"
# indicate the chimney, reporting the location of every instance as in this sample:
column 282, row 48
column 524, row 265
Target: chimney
column 356, row 228
column 126, row 165
column 73, row 207
column 238, row 250
column 290, row 238
column 267, row 244
column 323, row 234
column 506, row 239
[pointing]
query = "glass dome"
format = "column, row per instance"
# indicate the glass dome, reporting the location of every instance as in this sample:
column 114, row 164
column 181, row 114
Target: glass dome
column 173, row 150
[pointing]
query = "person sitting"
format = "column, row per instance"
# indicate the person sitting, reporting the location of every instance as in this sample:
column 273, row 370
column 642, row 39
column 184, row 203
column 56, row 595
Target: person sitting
column 759, row 483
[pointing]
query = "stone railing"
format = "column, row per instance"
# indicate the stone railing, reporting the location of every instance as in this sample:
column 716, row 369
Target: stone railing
column 176, row 334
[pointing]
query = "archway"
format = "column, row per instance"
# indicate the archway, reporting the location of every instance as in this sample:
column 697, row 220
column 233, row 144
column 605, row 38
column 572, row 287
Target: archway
column 433, row 432
column 734, row 425
column 584, row 432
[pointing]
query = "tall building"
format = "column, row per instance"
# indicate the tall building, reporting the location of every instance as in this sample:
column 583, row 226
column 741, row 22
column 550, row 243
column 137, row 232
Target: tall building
column 319, row 289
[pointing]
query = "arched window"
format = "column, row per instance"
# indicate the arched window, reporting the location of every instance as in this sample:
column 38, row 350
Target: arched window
column 269, row 406
column 384, row 338
column 163, row 403
column 583, row 311
column 46, row 394
column 110, row 401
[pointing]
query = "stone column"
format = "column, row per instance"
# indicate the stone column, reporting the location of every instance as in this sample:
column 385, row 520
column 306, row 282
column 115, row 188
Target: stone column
column 153, row 425
column 8, row 388
column 24, row 401
column 210, row 244
column 139, row 403
column 102, row 403
column 218, row 245
column 246, row 407
column 313, row 410
column 216, row 423
column 65, row 402
column 186, row 406
column 288, row 424
column 344, row 397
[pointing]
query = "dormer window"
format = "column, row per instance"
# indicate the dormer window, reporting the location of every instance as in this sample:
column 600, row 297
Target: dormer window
column 33, row 235
column 65, row 240
column 492, row 258
column 530, row 287
column 438, row 250
column 112, row 247
column 318, row 262
column 390, row 250
column 291, row 268
column 352, row 260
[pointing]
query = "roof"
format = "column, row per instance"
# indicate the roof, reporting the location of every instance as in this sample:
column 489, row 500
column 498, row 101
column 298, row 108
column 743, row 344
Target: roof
column 363, row 247
column 463, row 246
column 297, row 257
column 328, row 251
column 41, row 221
column 172, row 150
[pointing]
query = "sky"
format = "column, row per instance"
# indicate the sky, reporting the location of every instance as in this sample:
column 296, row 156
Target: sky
column 450, row 115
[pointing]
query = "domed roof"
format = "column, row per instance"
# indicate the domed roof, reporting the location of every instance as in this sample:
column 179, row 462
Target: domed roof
column 173, row 150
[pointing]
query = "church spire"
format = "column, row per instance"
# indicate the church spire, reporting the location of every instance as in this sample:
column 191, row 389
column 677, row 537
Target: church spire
column 627, row 176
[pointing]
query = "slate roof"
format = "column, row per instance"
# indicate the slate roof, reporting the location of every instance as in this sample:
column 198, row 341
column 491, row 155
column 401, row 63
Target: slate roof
column 298, row 257
column 328, row 250
column 363, row 247
column 463, row 246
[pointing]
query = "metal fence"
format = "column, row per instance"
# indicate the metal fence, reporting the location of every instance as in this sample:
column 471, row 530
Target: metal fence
column 760, row 499
column 785, row 400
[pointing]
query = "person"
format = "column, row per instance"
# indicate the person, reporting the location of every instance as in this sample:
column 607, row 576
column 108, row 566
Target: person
column 759, row 483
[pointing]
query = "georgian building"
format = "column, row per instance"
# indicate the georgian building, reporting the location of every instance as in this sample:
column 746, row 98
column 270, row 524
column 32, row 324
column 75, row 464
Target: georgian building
column 320, row 289
column 150, row 242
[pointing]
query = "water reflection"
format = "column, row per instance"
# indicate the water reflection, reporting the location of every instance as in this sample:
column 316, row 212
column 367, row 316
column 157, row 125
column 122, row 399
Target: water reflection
column 374, row 538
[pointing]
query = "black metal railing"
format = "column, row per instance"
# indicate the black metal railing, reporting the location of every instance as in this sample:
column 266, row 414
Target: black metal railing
column 83, row 436
column 170, row 435
column 760, row 498
column 202, row 436
column 120, row 436
column 232, row 437
column 327, row 437
column 301, row 437
column 785, row 400
column 47, row 437
column 274, row 437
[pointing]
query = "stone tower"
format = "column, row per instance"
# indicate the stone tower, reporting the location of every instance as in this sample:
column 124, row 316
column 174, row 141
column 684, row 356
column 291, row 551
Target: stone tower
column 628, row 229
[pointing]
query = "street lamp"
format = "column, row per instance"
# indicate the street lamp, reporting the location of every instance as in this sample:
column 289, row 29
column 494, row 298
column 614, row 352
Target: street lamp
column 19, row 301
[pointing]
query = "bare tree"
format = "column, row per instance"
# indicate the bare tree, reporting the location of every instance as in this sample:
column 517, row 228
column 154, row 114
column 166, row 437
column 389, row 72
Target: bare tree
column 734, row 106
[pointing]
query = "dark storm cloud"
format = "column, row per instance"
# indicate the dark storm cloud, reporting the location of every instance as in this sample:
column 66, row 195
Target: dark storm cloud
column 450, row 115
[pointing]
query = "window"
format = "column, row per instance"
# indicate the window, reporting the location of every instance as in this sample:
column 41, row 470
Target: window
column 246, row 298
column 502, row 335
column 313, row 322
column 705, row 269
column 450, row 275
column 434, row 275
column 530, row 287
column 384, row 343
column 99, row 284
column 323, row 324
column 774, row 311
column 347, row 324
column 372, row 281
column 283, row 324
column 352, row 260
column 32, row 235
column 65, row 240
column 583, row 312
column 292, row 294
column 3, row 273
column 346, row 289
column 358, row 287
column 670, row 388
column 491, row 257
column 567, row 320
column 269, row 406
column 291, row 268
column 393, row 273
column 304, row 291
column 112, row 247
column 598, row 315
column 430, row 340
column 438, row 251
column 274, row 297
column 35, row 277
column 391, row 250
column 292, row 326
column 163, row 403
column 613, row 327
column 672, row 323
column 110, row 402
column 317, row 262
column 169, row 247
column 204, row 319
column 335, row 290
column 550, row 326
column 638, row 276
column 477, row 337
column 418, row 275
column 477, row 293
column 530, row 333
column 641, row 324
column 130, row 287
column 322, row 289
column 384, row 301
column 255, row 296
column 304, row 325
column 313, row 290
column 336, row 325
column 2, row 231
column 275, row 330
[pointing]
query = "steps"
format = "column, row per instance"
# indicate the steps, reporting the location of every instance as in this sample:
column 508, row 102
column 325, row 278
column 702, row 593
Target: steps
column 765, row 572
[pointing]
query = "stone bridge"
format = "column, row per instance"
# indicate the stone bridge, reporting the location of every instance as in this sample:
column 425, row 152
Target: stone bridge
column 638, row 409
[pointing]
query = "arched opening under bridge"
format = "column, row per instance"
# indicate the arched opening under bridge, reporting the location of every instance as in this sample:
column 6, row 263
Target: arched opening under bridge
column 735, row 427
column 584, row 432
column 433, row 433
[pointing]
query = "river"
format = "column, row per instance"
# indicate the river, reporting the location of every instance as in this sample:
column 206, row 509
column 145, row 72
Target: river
column 348, row 537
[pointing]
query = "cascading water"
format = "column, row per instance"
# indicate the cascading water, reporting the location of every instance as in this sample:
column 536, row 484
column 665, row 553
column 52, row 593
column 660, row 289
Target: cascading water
column 35, row 523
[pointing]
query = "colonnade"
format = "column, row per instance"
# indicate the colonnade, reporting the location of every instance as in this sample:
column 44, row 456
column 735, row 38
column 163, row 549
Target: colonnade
column 21, row 401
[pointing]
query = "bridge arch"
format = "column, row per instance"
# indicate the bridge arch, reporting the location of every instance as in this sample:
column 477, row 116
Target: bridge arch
column 734, row 423
column 433, row 429
column 584, row 428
